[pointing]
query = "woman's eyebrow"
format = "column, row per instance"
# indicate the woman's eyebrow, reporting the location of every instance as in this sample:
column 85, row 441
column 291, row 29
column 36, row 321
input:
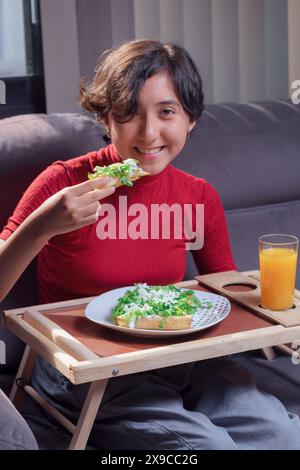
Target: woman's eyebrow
column 166, row 102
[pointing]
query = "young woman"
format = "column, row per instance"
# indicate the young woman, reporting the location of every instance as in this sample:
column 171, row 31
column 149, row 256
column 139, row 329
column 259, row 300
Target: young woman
column 149, row 97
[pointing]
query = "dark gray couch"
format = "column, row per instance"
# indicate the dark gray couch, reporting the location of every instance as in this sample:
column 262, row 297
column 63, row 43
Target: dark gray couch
column 249, row 152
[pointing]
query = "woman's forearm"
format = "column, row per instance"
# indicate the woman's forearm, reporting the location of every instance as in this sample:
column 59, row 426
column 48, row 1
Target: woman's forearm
column 69, row 209
column 18, row 251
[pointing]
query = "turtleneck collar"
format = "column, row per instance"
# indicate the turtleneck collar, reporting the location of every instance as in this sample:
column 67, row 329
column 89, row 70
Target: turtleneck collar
column 151, row 180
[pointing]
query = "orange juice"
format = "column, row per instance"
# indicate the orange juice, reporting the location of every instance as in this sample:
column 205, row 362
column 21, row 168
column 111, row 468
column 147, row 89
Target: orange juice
column 277, row 277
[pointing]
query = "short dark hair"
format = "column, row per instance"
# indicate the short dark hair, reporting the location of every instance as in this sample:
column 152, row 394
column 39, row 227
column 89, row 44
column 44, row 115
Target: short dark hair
column 123, row 70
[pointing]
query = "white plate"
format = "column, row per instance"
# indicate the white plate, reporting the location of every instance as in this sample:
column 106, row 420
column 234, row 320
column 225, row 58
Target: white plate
column 99, row 311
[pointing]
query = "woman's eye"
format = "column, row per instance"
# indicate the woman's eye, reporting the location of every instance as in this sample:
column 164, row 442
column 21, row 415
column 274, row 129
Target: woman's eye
column 167, row 112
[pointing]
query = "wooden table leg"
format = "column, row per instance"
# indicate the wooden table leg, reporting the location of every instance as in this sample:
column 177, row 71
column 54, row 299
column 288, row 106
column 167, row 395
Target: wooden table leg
column 24, row 373
column 88, row 414
column 269, row 353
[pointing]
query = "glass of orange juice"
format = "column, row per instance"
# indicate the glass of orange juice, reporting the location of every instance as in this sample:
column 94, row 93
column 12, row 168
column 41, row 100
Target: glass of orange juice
column 278, row 263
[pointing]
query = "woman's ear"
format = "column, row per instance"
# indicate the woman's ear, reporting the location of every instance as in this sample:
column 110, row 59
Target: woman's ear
column 105, row 123
column 191, row 126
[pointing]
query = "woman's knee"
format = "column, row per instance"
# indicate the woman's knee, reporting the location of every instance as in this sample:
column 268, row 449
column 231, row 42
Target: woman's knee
column 288, row 433
column 215, row 438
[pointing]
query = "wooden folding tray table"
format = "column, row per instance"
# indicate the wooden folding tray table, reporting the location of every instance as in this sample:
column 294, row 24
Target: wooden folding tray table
column 86, row 352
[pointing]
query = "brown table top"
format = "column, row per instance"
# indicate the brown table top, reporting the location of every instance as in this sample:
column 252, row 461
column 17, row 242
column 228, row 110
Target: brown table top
column 106, row 342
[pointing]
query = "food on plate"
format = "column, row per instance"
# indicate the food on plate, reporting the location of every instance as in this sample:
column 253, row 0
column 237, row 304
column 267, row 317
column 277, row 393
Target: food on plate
column 157, row 308
column 123, row 173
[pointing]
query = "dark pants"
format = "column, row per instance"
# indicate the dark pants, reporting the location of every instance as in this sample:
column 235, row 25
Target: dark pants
column 212, row 404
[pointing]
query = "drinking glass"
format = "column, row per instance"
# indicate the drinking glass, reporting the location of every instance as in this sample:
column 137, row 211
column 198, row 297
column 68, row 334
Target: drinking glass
column 278, row 263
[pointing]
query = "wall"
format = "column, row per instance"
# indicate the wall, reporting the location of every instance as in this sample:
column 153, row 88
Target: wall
column 294, row 39
column 61, row 54
column 245, row 49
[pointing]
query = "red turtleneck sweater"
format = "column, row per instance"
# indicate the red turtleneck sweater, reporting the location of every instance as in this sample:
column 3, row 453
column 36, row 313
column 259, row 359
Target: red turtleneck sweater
column 79, row 264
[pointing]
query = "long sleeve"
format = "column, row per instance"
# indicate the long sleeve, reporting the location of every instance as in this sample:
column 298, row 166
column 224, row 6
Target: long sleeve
column 49, row 182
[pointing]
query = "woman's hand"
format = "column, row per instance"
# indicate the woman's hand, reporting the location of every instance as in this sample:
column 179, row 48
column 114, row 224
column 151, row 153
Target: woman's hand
column 72, row 207
column 67, row 210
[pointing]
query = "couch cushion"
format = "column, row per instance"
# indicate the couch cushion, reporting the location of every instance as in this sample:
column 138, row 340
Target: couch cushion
column 248, row 151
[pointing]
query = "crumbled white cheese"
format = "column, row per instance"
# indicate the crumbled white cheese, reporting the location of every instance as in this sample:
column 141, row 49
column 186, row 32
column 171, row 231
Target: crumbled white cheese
column 132, row 322
column 134, row 166
column 133, row 307
column 159, row 295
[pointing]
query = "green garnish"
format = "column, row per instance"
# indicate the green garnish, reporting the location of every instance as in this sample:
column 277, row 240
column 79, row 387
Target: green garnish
column 165, row 301
column 123, row 171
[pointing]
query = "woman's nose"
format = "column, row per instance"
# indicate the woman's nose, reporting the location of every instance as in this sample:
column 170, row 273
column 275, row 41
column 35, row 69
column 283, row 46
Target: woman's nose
column 149, row 129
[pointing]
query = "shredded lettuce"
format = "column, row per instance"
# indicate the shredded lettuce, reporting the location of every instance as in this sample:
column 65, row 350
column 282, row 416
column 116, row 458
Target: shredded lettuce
column 123, row 171
column 164, row 301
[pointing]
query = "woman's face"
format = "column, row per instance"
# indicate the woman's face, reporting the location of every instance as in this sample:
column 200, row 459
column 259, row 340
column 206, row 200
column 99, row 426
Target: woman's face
column 157, row 132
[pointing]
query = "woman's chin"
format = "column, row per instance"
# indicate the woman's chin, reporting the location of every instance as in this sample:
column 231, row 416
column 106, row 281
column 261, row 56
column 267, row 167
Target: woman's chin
column 153, row 169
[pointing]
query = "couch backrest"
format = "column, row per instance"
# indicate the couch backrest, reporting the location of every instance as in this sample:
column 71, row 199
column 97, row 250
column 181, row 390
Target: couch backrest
column 249, row 152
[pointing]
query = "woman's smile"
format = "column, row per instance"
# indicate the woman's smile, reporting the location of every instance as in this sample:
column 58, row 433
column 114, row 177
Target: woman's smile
column 149, row 153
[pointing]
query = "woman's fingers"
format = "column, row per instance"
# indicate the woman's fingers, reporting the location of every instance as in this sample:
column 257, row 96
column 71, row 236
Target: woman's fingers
column 91, row 219
column 95, row 195
column 89, row 210
column 75, row 206
column 90, row 185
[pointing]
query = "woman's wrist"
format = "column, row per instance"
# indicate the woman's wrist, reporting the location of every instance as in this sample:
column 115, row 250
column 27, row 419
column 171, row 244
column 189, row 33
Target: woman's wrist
column 35, row 227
